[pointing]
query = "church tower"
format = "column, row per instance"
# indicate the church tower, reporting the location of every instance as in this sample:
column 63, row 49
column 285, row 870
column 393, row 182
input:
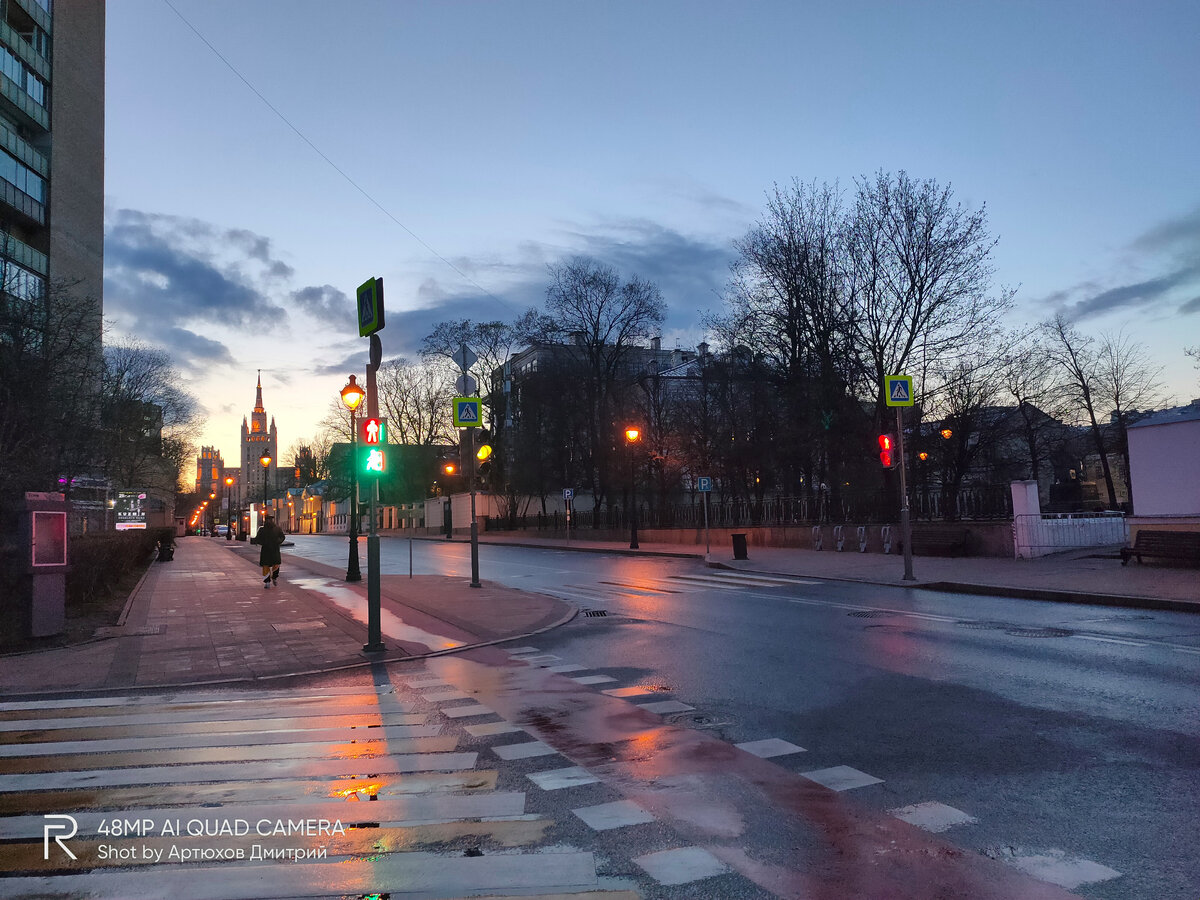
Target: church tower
column 257, row 437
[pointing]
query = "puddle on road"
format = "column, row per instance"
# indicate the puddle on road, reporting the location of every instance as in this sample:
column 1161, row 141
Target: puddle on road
column 390, row 624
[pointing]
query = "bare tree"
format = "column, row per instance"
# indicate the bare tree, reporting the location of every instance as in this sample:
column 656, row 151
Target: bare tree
column 1079, row 361
column 1130, row 382
column 50, row 368
column 604, row 316
column 416, row 399
column 148, row 420
column 1032, row 380
column 920, row 278
column 787, row 299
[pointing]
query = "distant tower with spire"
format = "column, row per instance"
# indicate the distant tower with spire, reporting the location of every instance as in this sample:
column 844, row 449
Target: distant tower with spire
column 256, row 437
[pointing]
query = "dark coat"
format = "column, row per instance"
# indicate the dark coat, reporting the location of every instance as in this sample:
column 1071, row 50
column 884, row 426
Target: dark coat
column 270, row 538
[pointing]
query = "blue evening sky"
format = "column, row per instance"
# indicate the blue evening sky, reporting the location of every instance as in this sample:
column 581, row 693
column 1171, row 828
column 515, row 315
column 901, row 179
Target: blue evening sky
column 492, row 138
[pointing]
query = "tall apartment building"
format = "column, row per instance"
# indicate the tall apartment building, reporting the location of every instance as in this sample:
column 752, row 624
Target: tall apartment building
column 52, row 147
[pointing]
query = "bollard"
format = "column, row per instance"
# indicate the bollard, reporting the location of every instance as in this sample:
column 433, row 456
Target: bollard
column 885, row 534
column 839, row 537
column 862, row 538
column 816, row 537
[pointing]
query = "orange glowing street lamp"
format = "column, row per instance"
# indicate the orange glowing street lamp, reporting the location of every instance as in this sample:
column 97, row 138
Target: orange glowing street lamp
column 632, row 436
column 947, row 434
column 352, row 397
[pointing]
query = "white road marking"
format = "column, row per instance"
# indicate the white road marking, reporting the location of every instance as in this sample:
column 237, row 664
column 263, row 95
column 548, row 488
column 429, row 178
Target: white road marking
column 606, row 816
column 594, row 679
column 933, row 816
column 492, row 728
column 526, row 750
column 471, row 709
column 769, row 747
column 681, row 866
column 1056, row 867
column 841, row 778
column 557, row 779
column 663, row 707
column 1105, row 640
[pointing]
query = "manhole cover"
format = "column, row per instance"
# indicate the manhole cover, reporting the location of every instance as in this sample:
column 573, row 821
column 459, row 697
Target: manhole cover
column 869, row 614
column 984, row 626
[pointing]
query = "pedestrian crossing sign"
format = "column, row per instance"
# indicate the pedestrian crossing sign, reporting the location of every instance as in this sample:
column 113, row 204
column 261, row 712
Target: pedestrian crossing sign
column 370, row 307
column 897, row 390
column 467, row 412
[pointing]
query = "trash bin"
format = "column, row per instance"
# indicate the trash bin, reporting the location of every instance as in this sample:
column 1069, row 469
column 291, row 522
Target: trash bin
column 739, row 547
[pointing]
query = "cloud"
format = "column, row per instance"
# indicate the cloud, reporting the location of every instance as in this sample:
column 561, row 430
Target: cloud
column 1169, row 250
column 170, row 279
column 354, row 362
column 325, row 303
column 690, row 272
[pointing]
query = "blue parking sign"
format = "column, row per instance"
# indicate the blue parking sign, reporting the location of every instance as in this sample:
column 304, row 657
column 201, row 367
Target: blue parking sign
column 704, row 484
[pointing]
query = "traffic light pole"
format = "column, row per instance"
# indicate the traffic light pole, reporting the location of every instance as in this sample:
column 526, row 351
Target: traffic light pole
column 374, row 625
column 905, row 522
column 474, row 522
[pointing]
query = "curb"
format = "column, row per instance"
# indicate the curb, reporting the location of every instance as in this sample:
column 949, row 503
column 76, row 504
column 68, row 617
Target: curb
column 996, row 590
column 1158, row 603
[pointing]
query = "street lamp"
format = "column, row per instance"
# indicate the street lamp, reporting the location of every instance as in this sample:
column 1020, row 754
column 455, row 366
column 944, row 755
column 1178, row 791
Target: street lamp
column 228, row 509
column 352, row 397
column 265, row 459
column 632, row 436
column 212, row 515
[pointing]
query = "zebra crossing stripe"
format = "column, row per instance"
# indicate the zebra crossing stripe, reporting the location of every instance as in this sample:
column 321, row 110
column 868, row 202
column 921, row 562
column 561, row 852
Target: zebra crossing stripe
column 421, row 874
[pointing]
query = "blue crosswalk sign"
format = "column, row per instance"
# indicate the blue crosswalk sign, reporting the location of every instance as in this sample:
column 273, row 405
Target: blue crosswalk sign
column 897, row 390
column 467, row 412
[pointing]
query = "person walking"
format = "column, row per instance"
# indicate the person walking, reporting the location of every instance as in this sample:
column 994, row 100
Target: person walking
column 270, row 538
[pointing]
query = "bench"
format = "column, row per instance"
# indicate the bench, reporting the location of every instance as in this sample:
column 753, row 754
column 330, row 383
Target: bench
column 1176, row 545
column 940, row 540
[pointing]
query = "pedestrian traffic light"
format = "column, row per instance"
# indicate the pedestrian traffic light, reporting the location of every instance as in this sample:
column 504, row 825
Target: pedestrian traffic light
column 374, row 461
column 887, row 445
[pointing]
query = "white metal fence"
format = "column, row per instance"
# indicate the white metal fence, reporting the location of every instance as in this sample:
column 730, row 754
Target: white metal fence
column 1040, row 535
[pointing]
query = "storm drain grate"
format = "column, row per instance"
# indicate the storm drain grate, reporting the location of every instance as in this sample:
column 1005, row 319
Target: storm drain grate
column 869, row 614
column 595, row 613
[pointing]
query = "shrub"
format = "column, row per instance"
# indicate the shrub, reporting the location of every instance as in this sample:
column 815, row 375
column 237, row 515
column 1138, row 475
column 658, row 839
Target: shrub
column 100, row 560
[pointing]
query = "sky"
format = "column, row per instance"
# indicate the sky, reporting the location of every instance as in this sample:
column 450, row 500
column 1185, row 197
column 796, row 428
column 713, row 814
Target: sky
column 265, row 157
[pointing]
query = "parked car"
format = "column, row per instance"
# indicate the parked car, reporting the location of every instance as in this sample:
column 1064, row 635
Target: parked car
column 221, row 530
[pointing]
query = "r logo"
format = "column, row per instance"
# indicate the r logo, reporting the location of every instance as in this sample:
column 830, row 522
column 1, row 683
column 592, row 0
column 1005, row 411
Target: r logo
column 62, row 823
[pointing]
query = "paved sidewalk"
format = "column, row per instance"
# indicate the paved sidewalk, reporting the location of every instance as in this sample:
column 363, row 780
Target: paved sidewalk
column 1093, row 575
column 205, row 617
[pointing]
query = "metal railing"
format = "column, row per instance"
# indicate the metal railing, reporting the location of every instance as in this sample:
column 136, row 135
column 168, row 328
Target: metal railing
column 974, row 503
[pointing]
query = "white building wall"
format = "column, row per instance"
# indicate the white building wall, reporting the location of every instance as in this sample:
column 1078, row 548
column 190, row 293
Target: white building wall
column 1164, row 462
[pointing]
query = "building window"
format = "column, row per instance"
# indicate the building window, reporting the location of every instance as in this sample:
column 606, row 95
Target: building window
column 22, row 177
column 11, row 66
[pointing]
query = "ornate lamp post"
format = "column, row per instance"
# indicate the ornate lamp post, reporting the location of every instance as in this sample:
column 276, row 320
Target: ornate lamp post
column 352, row 397
column 212, row 515
column 265, row 459
column 228, row 509
column 632, row 436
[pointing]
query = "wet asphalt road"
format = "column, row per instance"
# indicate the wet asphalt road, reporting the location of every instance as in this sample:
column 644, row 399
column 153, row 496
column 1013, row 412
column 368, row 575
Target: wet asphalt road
column 1068, row 732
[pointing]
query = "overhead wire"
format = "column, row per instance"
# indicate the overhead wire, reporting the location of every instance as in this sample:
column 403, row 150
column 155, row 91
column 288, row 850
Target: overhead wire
column 354, row 184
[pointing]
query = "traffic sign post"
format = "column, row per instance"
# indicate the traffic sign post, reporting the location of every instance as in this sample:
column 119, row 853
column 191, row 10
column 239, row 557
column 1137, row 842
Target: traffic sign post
column 898, row 392
column 568, row 496
column 704, row 486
